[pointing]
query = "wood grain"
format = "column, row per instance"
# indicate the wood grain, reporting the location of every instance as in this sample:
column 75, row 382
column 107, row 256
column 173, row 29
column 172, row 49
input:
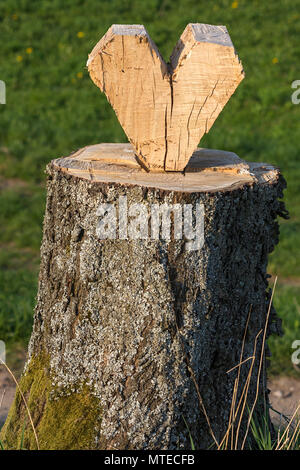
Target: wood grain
column 128, row 68
column 206, row 72
column 207, row 171
column 165, row 109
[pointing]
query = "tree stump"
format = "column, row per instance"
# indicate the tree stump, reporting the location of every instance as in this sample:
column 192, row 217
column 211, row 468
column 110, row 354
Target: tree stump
column 136, row 339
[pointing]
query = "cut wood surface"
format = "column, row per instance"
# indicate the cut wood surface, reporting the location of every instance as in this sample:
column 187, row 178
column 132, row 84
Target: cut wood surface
column 207, row 170
column 165, row 109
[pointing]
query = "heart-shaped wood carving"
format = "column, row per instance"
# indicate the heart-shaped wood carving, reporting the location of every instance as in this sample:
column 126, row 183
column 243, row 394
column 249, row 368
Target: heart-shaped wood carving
column 165, row 109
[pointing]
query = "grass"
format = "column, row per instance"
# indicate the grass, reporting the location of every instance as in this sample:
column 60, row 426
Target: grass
column 287, row 438
column 18, row 279
column 287, row 303
column 53, row 108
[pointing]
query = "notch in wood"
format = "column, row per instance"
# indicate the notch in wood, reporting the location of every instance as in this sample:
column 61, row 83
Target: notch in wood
column 165, row 109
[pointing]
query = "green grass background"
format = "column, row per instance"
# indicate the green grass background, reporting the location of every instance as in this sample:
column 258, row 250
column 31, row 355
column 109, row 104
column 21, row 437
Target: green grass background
column 54, row 108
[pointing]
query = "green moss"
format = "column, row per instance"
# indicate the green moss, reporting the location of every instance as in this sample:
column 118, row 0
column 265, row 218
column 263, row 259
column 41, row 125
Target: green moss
column 65, row 421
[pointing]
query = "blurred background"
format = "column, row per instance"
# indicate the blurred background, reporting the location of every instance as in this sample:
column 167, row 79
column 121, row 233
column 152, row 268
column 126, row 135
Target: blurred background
column 53, row 108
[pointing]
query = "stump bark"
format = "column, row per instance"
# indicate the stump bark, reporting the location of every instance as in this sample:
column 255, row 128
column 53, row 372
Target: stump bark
column 134, row 339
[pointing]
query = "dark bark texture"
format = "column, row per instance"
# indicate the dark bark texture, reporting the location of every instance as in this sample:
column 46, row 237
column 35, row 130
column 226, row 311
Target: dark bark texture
column 143, row 328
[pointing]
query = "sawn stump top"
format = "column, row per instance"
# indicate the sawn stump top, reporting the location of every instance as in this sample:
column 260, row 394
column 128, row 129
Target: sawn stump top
column 207, row 171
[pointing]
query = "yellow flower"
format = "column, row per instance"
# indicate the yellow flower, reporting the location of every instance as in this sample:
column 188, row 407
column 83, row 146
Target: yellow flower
column 234, row 4
column 19, row 58
column 14, row 16
column 80, row 34
column 79, row 75
column 274, row 60
column 29, row 50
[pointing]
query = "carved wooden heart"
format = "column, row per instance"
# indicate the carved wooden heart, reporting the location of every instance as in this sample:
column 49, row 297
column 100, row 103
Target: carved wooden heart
column 165, row 109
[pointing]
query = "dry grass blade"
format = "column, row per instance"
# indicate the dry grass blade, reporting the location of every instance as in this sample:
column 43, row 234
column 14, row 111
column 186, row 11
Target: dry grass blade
column 260, row 365
column 25, row 403
column 230, row 424
column 234, row 412
column 244, row 394
column 200, row 400
column 240, row 364
column 239, row 370
column 246, row 389
column 295, row 435
column 279, row 444
column 196, row 387
column 236, row 384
